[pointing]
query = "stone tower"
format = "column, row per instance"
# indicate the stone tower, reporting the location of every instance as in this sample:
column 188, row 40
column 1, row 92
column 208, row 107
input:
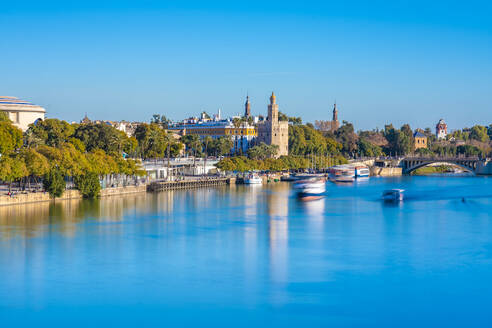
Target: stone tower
column 247, row 107
column 334, row 122
column 274, row 132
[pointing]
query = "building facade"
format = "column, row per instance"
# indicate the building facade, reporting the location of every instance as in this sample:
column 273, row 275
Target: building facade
column 242, row 136
column 420, row 140
column 20, row 112
column 274, row 132
column 441, row 129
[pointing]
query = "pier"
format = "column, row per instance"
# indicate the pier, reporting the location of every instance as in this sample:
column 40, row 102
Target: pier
column 188, row 184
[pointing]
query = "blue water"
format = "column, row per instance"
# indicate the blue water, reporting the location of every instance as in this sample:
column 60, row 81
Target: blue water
column 250, row 256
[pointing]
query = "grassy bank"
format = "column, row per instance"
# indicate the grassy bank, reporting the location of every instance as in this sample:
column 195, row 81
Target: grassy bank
column 426, row 170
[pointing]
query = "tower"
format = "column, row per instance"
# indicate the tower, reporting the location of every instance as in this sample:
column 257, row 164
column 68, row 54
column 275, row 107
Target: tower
column 273, row 109
column 334, row 122
column 247, row 107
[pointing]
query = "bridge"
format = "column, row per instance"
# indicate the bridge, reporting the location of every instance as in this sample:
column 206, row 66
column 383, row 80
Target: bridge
column 471, row 164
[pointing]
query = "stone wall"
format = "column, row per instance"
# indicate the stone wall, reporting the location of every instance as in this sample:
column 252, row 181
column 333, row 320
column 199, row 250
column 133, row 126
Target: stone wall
column 68, row 194
column 385, row 171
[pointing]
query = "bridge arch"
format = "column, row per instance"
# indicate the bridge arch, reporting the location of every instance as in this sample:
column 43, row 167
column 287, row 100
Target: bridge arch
column 412, row 165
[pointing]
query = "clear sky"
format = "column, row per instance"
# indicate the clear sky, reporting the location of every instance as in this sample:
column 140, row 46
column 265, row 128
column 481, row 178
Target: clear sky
column 383, row 61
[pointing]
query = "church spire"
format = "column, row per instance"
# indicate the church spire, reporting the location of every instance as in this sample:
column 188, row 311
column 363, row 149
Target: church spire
column 335, row 112
column 247, row 107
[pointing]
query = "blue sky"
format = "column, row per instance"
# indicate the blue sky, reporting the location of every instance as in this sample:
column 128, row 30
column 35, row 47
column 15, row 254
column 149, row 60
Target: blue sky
column 383, row 61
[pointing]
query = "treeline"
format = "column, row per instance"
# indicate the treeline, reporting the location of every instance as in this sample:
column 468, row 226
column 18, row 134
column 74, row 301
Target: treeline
column 53, row 149
column 243, row 163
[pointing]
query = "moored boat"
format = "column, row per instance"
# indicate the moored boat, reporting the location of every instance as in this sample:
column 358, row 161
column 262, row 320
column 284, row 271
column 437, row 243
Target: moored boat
column 253, row 178
column 361, row 171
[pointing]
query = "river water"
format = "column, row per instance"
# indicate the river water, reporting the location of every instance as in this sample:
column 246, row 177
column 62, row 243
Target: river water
column 254, row 255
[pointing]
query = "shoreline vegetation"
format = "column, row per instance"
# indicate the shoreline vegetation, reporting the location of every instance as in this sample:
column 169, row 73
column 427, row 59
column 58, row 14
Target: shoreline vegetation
column 54, row 155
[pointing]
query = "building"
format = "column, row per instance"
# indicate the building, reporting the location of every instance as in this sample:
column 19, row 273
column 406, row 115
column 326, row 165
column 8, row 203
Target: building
column 420, row 140
column 243, row 135
column 20, row 112
column 332, row 125
column 274, row 132
column 441, row 129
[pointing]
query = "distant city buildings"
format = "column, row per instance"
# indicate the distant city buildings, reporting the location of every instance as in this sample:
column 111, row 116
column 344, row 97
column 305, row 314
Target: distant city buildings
column 274, row 132
column 441, row 130
column 20, row 112
column 240, row 131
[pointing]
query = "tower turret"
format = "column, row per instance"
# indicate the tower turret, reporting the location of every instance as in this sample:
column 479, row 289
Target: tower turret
column 273, row 109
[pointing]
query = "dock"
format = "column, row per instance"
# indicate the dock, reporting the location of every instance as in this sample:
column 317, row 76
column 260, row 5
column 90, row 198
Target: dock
column 157, row 186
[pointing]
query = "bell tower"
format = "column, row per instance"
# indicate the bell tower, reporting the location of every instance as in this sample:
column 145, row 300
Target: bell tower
column 273, row 109
column 247, row 107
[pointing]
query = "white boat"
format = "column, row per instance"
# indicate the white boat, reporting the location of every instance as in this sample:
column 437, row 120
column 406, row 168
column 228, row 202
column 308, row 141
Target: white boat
column 313, row 188
column 253, row 178
column 361, row 171
column 393, row 195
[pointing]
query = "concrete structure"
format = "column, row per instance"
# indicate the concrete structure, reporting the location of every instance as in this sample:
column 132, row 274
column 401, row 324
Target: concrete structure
column 420, row 140
column 441, row 129
column 475, row 165
column 20, row 112
column 274, row 132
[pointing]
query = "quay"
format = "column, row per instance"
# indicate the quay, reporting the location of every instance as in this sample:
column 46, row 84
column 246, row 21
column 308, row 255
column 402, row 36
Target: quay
column 157, row 186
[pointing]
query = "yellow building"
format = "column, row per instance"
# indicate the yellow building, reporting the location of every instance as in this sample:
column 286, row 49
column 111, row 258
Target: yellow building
column 420, row 140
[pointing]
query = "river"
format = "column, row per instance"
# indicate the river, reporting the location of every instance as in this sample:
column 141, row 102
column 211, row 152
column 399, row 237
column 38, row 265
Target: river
column 247, row 256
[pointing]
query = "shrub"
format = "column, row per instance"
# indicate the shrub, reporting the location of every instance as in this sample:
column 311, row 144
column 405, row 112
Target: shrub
column 88, row 185
column 54, row 183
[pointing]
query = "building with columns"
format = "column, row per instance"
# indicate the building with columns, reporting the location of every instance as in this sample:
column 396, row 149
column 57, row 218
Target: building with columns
column 20, row 112
column 272, row 131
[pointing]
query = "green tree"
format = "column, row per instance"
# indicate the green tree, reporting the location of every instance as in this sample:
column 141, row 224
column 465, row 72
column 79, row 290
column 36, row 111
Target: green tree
column 479, row 133
column 54, row 183
column 10, row 138
column 262, row 151
column 347, row 137
column 101, row 136
column 88, row 184
column 52, row 132
column 368, row 149
column 4, row 117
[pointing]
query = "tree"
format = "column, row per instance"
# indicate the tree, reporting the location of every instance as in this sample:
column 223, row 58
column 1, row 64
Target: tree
column 193, row 144
column 347, row 137
column 52, row 132
column 37, row 165
column 479, row 133
column 88, row 184
column 54, row 183
column 4, row 117
column 368, row 149
column 101, row 136
column 262, row 151
column 12, row 168
column 10, row 138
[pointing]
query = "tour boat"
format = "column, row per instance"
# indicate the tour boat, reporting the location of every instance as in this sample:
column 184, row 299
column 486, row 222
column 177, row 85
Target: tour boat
column 253, row 178
column 342, row 173
column 393, row 195
column 310, row 189
column 361, row 171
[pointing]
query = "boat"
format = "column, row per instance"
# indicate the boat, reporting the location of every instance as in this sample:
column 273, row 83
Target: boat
column 310, row 189
column 253, row 178
column 361, row 171
column 341, row 173
column 393, row 195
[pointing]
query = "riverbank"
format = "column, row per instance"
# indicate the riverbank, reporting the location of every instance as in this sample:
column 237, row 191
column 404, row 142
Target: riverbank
column 26, row 198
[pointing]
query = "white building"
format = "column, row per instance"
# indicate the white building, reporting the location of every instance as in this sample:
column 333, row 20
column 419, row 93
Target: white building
column 20, row 112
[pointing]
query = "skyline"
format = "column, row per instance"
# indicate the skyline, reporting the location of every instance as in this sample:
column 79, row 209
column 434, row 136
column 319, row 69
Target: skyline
column 399, row 63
